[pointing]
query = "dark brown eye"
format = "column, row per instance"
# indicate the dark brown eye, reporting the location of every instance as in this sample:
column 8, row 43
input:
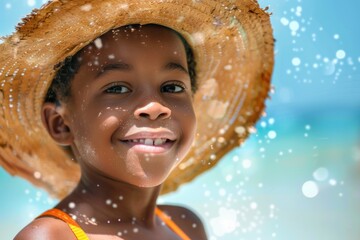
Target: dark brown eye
column 172, row 88
column 117, row 89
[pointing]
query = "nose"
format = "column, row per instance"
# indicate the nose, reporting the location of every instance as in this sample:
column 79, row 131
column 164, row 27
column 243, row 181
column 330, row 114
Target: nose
column 153, row 111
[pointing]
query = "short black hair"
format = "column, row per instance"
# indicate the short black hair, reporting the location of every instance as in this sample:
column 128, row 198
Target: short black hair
column 60, row 88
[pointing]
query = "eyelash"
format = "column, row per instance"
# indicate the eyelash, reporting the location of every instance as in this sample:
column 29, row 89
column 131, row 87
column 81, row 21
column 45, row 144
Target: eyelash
column 176, row 84
column 114, row 87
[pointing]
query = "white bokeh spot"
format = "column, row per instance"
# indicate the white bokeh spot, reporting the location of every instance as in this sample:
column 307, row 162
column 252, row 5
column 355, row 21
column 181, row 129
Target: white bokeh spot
column 225, row 223
column 321, row 174
column 310, row 189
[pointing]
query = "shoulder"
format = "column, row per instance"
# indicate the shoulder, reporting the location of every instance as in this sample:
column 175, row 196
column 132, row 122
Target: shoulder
column 45, row 228
column 187, row 220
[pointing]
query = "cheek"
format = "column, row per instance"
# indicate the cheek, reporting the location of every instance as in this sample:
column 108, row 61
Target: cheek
column 93, row 133
column 188, row 126
column 108, row 123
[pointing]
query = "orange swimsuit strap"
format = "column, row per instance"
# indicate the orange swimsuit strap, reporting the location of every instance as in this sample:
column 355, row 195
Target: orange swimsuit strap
column 75, row 228
column 81, row 235
column 170, row 223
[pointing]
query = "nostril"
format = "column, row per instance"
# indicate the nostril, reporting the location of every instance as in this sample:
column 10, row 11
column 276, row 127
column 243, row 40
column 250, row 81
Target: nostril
column 163, row 115
column 146, row 115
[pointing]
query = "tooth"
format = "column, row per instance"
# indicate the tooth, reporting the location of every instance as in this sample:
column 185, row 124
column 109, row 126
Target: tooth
column 135, row 140
column 158, row 141
column 148, row 141
column 141, row 140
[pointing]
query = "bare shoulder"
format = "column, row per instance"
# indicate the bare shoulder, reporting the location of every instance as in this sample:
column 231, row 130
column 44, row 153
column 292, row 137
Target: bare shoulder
column 45, row 228
column 187, row 220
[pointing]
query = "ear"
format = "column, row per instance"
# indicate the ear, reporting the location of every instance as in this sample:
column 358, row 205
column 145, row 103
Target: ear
column 53, row 120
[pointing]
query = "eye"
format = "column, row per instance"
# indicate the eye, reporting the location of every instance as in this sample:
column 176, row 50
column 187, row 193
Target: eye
column 117, row 89
column 173, row 88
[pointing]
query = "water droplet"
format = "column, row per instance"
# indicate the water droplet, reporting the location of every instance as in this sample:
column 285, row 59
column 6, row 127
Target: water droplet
column 228, row 67
column 221, row 140
column 198, row 38
column 180, row 19
column 72, row 205
column 332, row 182
column 296, row 61
column 135, row 230
column 37, row 175
column 294, row 26
column 86, row 7
column 222, row 192
column 272, row 134
column 228, row 178
column 340, row 54
column 31, row 3
column 271, row 121
column 246, row 163
column 98, row 43
column 240, row 130
column 321, row 174
column 310, row 189
column 124, row 6
column 284, row 21
column 253, row 205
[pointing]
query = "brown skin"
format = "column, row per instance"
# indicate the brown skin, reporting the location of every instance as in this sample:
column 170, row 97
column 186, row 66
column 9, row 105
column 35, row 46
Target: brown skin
column 150, row 93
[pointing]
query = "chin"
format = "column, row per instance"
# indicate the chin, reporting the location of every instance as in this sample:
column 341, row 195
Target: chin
column 149, row 180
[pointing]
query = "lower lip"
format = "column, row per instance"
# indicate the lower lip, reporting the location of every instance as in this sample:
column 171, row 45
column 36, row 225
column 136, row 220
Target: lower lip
column 139, row 147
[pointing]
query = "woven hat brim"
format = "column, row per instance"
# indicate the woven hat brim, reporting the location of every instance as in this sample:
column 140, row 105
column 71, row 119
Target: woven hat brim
column 233, row 47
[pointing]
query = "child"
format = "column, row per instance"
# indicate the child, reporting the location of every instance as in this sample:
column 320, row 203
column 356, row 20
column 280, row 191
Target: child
column 115, row 84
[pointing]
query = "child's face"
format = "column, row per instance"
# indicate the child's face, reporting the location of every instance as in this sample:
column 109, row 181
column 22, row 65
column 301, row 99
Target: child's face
column 131, row 93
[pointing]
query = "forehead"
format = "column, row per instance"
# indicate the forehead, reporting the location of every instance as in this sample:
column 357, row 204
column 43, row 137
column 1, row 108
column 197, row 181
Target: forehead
column 135, row 39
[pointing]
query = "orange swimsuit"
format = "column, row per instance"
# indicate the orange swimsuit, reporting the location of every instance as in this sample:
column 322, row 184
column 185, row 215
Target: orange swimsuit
column 81, row 235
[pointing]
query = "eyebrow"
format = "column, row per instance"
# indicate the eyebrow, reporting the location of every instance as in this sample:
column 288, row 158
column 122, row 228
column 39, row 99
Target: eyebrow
column 175, row 66
column 127, row 67
column 115, row 66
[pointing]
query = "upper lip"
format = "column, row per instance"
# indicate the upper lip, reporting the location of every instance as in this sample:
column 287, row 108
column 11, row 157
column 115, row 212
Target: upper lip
column 150, row 134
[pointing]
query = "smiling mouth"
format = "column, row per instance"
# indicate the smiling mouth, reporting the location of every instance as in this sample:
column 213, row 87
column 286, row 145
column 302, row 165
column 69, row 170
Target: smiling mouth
column 149, row 145
column 149, row 141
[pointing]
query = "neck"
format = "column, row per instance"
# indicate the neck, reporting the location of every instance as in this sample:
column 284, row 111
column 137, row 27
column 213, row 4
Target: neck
column 108, row 200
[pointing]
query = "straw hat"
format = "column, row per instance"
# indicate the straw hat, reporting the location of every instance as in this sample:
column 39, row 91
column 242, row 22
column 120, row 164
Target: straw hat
column 233, row 47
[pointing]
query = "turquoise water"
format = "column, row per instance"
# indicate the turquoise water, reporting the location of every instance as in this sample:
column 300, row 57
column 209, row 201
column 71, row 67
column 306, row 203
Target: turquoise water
column 298, row 176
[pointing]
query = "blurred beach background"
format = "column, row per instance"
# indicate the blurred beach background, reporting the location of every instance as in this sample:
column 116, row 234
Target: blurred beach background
column 298, row 175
